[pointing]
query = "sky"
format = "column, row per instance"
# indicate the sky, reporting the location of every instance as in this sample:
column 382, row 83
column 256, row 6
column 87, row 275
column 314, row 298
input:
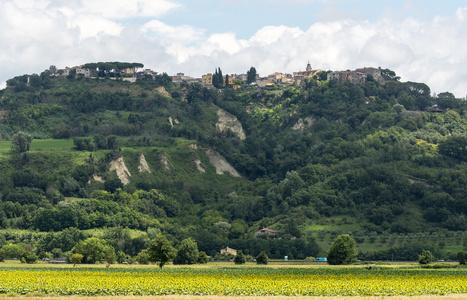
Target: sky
column 421, row 40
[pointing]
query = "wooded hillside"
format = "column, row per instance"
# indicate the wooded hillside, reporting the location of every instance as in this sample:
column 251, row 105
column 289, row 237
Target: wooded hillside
column 308, row 161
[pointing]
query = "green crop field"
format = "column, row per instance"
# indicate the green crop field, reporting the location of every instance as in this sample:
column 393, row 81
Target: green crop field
column 5, row 146
column 51, row 144
column 231, row 280
column 37, row 145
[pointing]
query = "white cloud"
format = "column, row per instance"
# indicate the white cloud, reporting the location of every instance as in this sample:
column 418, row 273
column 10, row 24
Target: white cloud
column 93, row 26
column 113, row 9
column 158, row 29
column 272, row 34
column 225, row 42
column 125, row 9
column 37, row 33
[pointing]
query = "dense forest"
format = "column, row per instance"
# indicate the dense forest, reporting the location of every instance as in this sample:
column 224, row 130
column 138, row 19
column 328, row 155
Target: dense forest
column 310, row 161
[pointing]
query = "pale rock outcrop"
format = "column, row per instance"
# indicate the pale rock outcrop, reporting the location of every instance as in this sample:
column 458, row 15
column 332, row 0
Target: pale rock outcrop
column 198, row 166
column 165, row 162
column 119, row 166
column 303, row 123
column 172, row 121
column 222, row 166
column 194, row 146
column 96, row 177
column 229, row 121
column 143, row 164
column 161, row 90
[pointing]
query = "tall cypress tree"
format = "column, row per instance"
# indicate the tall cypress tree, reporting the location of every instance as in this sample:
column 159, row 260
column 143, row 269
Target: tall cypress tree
column 251, row 75
column 221, row 78
column 215, row 79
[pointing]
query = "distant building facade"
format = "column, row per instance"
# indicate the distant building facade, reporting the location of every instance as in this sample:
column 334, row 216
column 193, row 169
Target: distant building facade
column 206, row 80
column 302, row 75
column 181, row 77
column 228, row 250
column 266, row 231
column 359, row 76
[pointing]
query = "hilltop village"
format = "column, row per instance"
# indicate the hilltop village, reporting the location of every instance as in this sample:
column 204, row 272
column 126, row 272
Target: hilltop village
column 132, row 72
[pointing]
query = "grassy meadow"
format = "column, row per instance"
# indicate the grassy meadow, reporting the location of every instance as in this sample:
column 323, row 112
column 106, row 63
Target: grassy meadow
column 45, row 144
column 215, row 280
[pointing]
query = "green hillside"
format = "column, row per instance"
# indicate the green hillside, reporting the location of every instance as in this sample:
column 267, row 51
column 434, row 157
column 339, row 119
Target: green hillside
column 384, row 163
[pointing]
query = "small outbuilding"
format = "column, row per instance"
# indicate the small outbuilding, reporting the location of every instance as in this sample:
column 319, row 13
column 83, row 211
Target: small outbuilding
column 265, row 231
column 228, row 250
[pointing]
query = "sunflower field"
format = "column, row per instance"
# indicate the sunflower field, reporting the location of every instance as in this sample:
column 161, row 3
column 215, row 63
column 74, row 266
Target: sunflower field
column 232, row 281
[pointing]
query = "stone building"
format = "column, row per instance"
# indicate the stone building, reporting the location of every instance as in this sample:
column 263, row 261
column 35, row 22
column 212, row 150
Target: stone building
column 358, row 76
column 302, row 75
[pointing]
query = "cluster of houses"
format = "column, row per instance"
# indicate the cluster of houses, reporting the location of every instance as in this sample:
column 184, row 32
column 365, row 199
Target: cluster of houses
column 127, row 74
column 358, row 76
column 263, row 231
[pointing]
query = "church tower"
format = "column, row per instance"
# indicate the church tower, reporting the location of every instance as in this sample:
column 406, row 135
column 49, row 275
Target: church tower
column 308, row 67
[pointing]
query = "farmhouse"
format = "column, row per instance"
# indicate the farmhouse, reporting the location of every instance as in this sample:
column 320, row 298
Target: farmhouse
column 228, row 250
column 265, row 231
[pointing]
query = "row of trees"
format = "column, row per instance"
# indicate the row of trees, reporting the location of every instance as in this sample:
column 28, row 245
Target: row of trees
column 117, row 246
column 106, row 68
column 99, row 142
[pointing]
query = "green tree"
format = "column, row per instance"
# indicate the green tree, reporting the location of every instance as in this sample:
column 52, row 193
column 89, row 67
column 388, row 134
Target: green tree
column 426, row 257
column 218, row 78
column 454, row 146
column 262, row 258
column 187, row 253
column 343, row 251
column 143, row 257
column 13, row 251
column 94, row 250
column 160, row 250
column 76, row 259
column 109, row 255
column 240, row 259
column 29, row 257
column 251, row 75
column 113, row 143
column 121, row 257
column 389, row 75
column 203, row 258
column 21, row 142
column 461, row 257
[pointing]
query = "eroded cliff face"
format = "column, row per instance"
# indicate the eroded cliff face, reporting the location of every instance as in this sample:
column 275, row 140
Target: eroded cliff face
column 165, row 162
column 199, row 166
column 304, row 123
column 119, row 166
column 229, row 121
column 222, row 166
column 143, row 164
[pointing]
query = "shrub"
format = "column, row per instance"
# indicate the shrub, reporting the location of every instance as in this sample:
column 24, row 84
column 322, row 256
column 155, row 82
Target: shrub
column 262, row 258
column 143, row 257
column 203, row 258
column 29, row 257
column 426, row 257
column 240, row 259
column 343, row 251
column 187, row 253
column 461, row 257
column 76, row 259
column 121, row 257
